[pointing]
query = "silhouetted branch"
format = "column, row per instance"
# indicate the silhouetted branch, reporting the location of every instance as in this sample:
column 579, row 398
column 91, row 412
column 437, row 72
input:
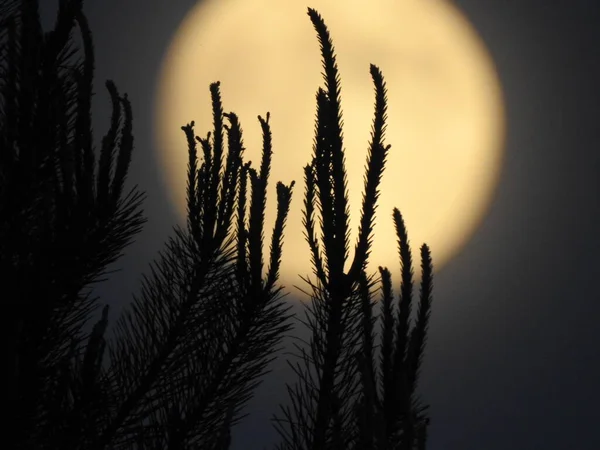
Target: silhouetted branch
column 336, row 403
column 58, row 229
column 188, row 355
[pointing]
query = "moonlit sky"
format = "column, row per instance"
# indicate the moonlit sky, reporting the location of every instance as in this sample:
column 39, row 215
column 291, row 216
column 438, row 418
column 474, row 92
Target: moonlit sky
column 513, row 359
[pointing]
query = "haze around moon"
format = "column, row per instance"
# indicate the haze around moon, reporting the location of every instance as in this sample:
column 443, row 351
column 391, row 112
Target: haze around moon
column 446, row 121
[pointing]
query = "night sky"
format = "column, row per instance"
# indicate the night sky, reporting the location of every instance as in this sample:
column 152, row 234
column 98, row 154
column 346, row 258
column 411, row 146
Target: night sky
column 512, row 360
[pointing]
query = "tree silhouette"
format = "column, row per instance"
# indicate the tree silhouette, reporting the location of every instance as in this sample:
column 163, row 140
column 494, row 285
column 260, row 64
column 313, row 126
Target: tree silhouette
column 336, row 403
column 186, row 355
column 62, row 222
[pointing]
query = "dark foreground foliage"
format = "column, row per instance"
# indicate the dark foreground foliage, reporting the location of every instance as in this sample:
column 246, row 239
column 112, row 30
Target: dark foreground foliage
column 187, row 354
column 64, row 217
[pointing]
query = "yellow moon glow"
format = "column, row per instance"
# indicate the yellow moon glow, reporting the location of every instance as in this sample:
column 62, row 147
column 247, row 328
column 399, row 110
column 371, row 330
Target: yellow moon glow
column 445, row 111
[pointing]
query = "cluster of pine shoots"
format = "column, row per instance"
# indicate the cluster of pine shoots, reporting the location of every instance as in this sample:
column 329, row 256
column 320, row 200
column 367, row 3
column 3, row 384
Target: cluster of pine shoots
column 186, row 355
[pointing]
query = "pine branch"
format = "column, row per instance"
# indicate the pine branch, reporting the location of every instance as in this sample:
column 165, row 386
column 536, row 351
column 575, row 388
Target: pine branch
column 336, row 403
column 189, row 354
column 325, row 398
column 56, row 237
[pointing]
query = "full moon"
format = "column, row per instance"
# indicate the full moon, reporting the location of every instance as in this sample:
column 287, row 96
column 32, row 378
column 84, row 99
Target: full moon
column 445, row 122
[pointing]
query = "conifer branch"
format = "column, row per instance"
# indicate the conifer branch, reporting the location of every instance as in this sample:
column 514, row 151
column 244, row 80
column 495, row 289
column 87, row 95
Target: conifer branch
column 58, row 225
column 193, row 347
column 336, row 401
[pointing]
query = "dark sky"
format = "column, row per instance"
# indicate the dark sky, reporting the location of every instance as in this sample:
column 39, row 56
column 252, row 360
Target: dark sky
column 513, row 359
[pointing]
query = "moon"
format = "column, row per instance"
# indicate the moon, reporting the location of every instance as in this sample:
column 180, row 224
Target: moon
column 445, row 123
